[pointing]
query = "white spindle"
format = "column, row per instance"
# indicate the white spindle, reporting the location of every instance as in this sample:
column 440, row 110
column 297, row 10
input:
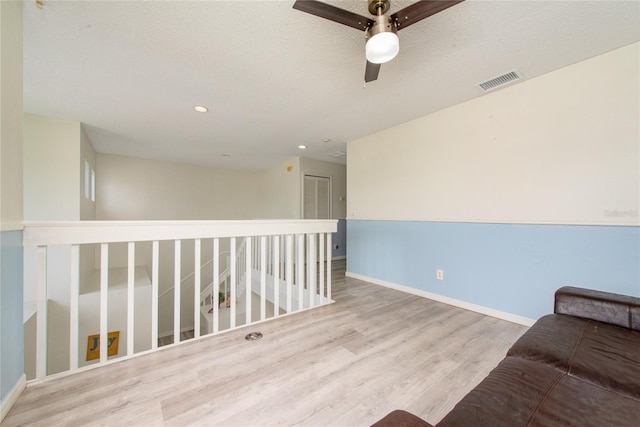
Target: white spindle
column 130, row 295
column 282, row 256
column 242, row 260
column 41, row 331
column 104, row 298
column 269, row 250
column 312, row 269
column 295, row 259
column 74, row 295
column 226, row 279
column 232, row 283
column 177, row 292
column 329, row 255
column 155, row 257
column 300, row 271
column 263, row 276
column 255, row 253
column 215, row 302
column 196, row 288
column 276, row 276
column 289, row 268
column 321, row 272
column 247, row 281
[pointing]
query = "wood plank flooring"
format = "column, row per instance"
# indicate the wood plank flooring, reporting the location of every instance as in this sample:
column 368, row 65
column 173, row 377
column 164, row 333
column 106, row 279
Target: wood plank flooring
column 345, row 364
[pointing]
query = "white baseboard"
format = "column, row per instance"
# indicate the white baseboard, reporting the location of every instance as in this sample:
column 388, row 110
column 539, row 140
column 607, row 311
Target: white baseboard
column 503, row 315
column 337, row 258
column 16, row 391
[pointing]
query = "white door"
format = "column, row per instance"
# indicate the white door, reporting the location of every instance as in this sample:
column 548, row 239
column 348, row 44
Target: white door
column 317, row 197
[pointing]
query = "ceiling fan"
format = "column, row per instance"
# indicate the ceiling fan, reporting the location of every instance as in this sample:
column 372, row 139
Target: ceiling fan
column 382, row 43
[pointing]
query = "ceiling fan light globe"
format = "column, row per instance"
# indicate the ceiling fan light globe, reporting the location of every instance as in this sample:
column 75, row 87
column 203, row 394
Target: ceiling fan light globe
column 382, row 47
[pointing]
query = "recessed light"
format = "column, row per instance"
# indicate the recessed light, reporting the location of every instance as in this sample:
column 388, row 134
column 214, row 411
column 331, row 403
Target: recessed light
column 200, row 109
column 226, row 156
column 326, row 140
column 302, row 147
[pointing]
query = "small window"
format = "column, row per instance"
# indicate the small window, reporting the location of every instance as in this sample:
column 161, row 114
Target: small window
column 87, row 183
column 93, row 185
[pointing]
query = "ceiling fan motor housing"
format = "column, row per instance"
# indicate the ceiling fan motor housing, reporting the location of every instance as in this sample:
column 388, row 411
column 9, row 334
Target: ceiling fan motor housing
column 381, row 24
column 378, row 5
column 382, row 42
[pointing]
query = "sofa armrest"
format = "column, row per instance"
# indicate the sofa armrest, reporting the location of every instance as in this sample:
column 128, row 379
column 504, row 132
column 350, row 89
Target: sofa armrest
column 619, row 310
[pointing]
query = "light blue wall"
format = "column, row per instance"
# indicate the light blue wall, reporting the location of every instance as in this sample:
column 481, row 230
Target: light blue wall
column 508, row 267
column 340, row 238
column 11, row 322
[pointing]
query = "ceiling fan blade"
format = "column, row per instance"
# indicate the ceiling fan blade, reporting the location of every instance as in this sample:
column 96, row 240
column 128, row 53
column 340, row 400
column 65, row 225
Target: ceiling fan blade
column 332, row 13
column 421, row 10
column 371, row 72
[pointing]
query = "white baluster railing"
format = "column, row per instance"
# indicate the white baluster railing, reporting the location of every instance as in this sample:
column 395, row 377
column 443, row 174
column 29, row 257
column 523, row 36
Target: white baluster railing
column 197, row 274
column 286, row 258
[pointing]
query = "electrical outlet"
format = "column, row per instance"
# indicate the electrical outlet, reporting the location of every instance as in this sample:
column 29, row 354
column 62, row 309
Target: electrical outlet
column 440, row 274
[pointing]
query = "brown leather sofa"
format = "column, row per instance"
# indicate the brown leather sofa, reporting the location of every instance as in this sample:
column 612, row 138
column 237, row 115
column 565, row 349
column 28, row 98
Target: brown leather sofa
column 577, row 367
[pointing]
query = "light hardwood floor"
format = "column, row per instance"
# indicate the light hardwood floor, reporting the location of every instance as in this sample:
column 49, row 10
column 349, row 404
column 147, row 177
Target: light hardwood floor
column 345, row 364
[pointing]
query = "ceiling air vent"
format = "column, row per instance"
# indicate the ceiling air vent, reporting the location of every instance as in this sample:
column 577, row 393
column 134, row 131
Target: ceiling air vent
column 500, row 81
column 338, row 153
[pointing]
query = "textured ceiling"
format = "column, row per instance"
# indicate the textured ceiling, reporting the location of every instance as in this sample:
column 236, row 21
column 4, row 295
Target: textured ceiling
column 274, row 77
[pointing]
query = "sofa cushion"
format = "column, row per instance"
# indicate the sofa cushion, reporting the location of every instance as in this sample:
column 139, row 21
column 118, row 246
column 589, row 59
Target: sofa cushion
column 600, row 353
column 552, row 340
column 574, row 402
column 508, row 396
column 400, row 418
column 520, row 392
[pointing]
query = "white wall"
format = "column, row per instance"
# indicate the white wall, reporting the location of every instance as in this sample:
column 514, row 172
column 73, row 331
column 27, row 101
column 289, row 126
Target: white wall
column 11, row 212
column 280, row 191
column 51, row 169
column 87, row 153
column 139, row 189
column 55, row 151
column 129, row 188
column 561, row 148
column 11, row 209
column 281, row 187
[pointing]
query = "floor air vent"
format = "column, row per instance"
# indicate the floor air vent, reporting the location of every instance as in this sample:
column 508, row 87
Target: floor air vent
column 503, row 80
